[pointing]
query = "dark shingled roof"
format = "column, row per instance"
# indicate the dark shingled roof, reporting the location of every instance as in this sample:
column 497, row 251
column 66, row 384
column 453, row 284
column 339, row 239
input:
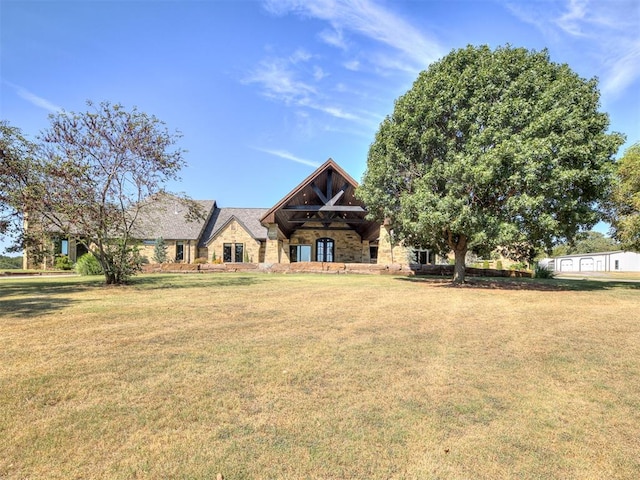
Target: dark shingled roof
column 249, row 218
column 167, row 217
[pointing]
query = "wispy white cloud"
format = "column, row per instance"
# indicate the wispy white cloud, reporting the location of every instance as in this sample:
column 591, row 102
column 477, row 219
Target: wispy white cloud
column 572, row 20
column 369, row 19
column 623, row 71
column 300, row 55
column 335, row 112
column 279, row 81
column 297, row 79
column 333, row 37
column 605, row 30
column 319, row 73
column 33, row 98
column 353, row 65
column 288, row 156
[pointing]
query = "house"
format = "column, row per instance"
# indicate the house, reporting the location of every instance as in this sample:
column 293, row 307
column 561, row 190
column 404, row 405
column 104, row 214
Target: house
column 234, row 235
column 617, row 261
column 320, row 220
column 168, row 218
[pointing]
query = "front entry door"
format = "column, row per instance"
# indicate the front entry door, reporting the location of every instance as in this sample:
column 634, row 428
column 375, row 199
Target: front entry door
column 324, row 250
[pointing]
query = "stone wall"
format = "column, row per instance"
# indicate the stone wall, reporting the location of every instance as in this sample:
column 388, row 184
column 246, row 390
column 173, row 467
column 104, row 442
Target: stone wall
column 348, row 244
column 296, row 267
column 329, row 267
column 190, row 250
column 235, row 233
column 389, row 251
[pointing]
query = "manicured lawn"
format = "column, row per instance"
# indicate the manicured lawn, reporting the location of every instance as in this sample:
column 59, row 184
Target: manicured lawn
column 318, row 376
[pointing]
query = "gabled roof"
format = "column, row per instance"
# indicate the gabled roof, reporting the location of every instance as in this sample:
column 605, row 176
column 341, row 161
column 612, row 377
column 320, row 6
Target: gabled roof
column 326, row 197
column 248, row 218
column 168, row 217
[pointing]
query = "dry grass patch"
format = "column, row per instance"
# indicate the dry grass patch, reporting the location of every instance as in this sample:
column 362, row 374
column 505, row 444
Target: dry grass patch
column 327, row 376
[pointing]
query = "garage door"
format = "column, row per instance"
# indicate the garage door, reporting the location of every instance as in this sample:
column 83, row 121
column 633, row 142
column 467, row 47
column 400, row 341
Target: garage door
column 586, row 264
column 566, row 265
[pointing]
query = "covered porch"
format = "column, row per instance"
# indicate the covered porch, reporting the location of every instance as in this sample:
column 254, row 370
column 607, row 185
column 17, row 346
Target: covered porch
column 321, row 220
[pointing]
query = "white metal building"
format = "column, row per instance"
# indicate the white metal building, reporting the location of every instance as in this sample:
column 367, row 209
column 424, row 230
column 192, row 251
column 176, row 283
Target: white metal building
column 618, row 261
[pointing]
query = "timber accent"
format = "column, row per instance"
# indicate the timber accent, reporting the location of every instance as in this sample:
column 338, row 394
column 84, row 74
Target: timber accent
column 315, row 204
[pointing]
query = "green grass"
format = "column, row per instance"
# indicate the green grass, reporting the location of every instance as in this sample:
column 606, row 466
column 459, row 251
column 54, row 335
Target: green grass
column 318, row 376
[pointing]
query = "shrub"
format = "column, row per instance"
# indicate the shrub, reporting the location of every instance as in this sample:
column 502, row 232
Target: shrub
column 499, row 265
column 485, row 264
column 542, row 272
column 200, row 260
column 10, row 262
column 518, row 266
column 160, row 251
column 63, row 262
column 215, row 259
column 87, row 264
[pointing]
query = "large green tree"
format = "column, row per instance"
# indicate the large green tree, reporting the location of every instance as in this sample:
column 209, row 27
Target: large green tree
column 625, row 199
column 491, row 148
column 90, row 177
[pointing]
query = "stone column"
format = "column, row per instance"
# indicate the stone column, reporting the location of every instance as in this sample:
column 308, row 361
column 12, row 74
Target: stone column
column 366, row 252
column 272, row 248
column 385, row 247
column 284, row 251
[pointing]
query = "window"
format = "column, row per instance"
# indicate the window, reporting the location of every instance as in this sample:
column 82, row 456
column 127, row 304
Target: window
column 61, row 246
column 300, row 253
column 423, row 257
column 179, row 251
column 233, row 252
column 226, row 253
column 239, row 252
column 324, row 250
column 616, row 264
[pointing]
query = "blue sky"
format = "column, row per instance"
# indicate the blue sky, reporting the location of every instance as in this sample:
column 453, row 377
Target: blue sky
column 264, row 91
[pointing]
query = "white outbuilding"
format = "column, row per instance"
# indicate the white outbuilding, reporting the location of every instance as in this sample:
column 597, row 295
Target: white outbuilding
column 618, row 261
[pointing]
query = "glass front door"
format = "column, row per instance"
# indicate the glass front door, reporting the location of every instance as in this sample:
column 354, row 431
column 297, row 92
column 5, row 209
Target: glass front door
column 324, row 250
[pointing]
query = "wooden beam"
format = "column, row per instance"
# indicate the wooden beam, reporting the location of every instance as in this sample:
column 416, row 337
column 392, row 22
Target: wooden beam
column 325, row 208
column 316, row 189
column 328, row 228
column 338, row 195
column 332, row 220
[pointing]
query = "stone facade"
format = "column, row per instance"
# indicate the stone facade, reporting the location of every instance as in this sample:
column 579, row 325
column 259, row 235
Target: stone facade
column 189, row 250
column 233, row 233
column 349, row 247
column 323, row 206
column 391, row 252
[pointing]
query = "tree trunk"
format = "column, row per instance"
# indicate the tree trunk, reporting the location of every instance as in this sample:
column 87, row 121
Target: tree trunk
column 459, row 268
column 458, row 243
column 110, row 278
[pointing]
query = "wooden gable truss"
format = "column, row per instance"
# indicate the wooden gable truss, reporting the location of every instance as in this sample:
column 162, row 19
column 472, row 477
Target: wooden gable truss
column 324, row 200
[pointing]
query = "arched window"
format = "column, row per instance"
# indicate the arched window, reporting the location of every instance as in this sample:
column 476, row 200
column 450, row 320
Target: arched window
column 324, row 250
